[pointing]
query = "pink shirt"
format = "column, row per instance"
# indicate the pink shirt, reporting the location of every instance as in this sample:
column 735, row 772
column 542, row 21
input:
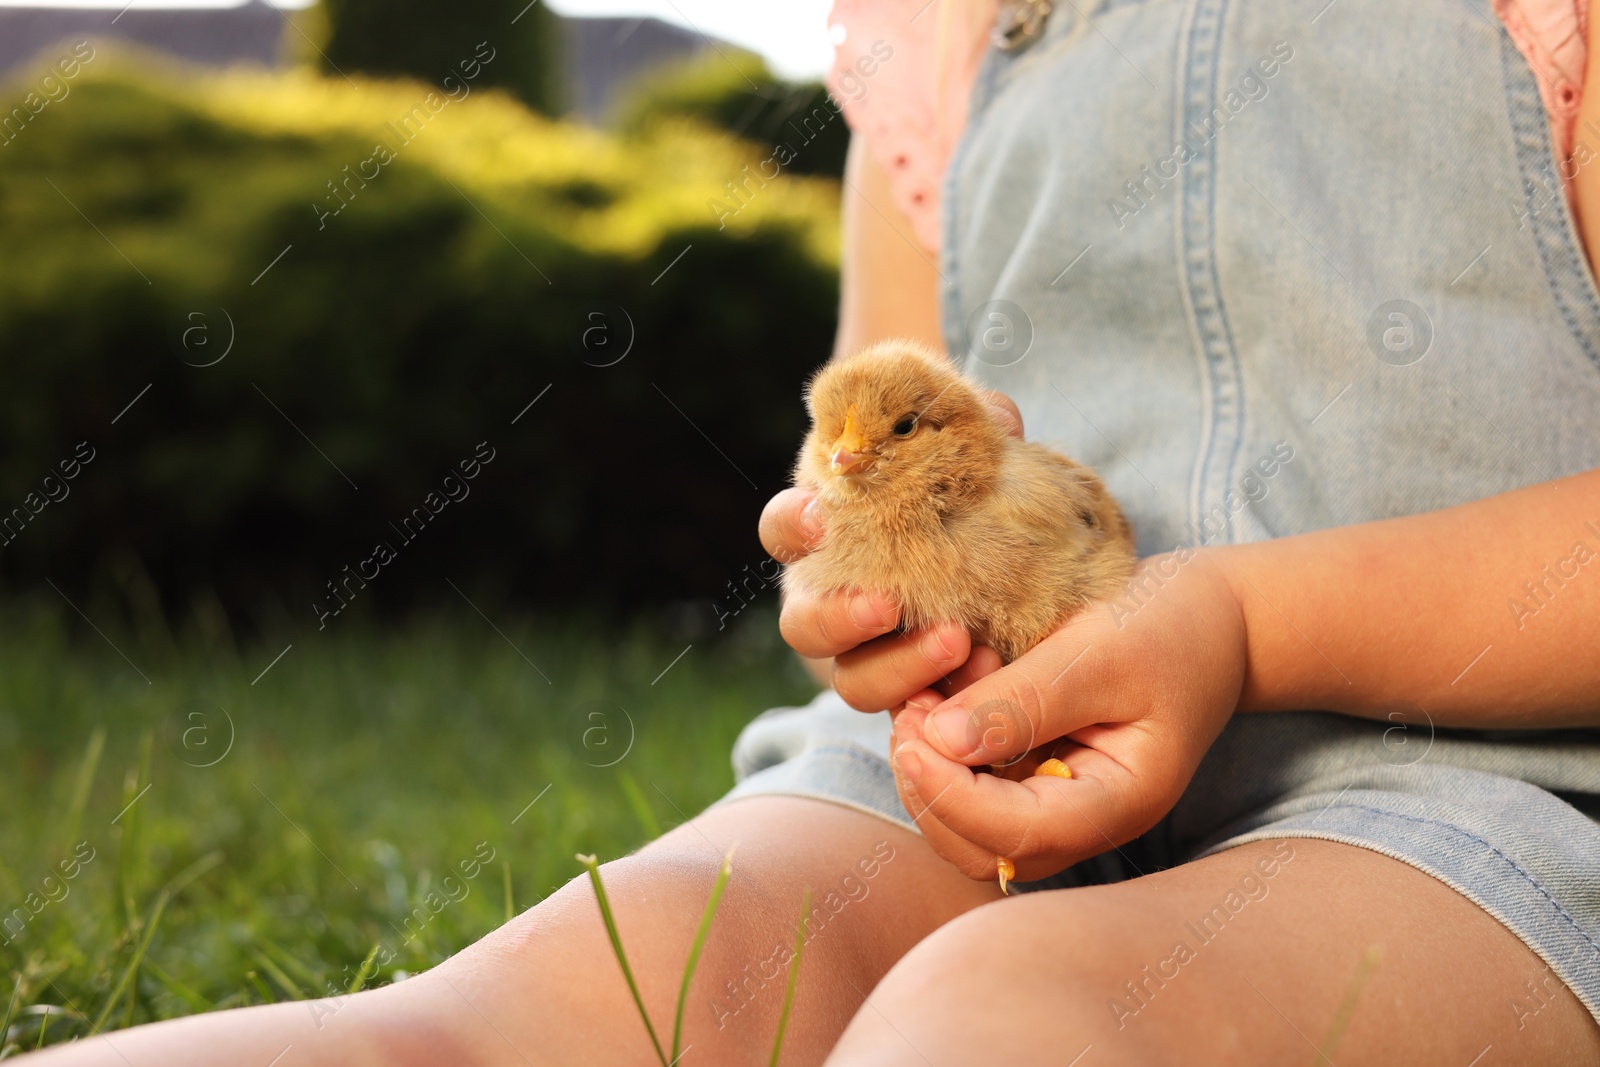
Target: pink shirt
column 885, row 75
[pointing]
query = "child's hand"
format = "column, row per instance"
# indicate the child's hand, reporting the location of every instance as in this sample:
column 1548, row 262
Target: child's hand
column 1130, row 709
column 872, row 668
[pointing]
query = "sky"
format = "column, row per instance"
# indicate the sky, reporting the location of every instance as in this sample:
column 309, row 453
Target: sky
column 791, row 34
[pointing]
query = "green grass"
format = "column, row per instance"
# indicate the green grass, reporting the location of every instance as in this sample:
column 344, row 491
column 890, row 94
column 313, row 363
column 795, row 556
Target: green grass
column 371, row 817
column 702, row 935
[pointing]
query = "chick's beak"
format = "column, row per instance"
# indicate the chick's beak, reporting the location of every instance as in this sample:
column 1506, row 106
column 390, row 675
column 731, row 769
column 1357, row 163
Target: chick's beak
column 850, row 452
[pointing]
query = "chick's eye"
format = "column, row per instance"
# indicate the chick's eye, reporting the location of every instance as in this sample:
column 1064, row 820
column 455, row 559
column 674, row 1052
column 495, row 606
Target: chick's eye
column 906, row 426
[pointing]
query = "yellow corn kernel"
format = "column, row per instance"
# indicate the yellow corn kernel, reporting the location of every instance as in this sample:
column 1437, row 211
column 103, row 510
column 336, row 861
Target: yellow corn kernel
column 1054, row 767
column 1008, row 871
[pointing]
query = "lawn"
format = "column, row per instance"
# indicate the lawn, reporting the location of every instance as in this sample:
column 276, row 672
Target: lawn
column 219, row 836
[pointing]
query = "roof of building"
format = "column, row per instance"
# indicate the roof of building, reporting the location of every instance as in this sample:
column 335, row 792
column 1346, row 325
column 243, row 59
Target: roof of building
column 602, row 56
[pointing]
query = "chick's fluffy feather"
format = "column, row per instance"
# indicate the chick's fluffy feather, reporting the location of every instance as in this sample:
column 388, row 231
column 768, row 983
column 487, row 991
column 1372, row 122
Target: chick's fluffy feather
column 956, row 520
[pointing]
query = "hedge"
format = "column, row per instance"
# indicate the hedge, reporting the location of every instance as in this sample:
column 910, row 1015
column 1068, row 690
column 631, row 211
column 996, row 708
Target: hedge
column 282, row 311
column 734, row 90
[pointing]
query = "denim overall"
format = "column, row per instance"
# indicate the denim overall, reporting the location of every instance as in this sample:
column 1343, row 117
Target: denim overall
column 1270, row 268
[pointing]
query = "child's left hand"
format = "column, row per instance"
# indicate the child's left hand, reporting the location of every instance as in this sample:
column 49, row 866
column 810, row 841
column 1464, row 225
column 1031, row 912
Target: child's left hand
column 1129, row 697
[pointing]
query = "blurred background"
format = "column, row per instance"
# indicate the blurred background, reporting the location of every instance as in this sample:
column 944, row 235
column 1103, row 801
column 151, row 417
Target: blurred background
column 388, row 393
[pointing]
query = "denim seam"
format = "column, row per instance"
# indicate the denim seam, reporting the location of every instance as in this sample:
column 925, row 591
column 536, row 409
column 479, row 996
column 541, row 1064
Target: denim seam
column 736, row 793
column 1225, row 328
column 1181, row 241
column 875, row 765
column 978, row 101
column 1222, row 374
column 1566, row 271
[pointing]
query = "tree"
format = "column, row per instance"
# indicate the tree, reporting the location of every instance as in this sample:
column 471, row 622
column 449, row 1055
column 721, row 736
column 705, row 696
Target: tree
column 432, row 41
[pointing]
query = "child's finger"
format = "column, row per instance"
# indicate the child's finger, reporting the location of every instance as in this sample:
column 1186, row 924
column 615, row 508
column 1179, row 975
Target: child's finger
column 819, row 626
column 1063, row 684
column 973, row 861
column 908, row 720
column 1006, row 410
column 1041, row 824
column 981, row 662
column 927, row 808
column 790, row 525
column 969, row 859
column 880, row 673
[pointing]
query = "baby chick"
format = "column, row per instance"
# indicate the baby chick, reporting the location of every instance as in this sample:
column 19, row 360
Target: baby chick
column 927, row 498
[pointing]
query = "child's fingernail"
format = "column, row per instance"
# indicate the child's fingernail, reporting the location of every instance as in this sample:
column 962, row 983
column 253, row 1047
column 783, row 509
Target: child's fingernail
column 935, row 648
column 910, row 763
column 954, row 729
column 866, row 614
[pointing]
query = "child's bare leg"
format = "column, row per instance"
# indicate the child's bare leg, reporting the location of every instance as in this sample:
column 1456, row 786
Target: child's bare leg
column 1339, row 955
column 545, row 988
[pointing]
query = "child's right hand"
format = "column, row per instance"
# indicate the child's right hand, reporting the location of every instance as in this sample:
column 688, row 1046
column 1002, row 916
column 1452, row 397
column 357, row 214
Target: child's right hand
column 1130, row 701
column 872, row 668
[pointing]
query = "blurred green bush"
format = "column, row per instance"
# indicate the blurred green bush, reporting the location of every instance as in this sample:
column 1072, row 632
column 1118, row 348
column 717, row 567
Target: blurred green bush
column 393, row 278
column 735, row 91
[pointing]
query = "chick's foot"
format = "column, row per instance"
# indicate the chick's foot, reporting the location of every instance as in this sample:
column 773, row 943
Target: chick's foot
column 1050, row 768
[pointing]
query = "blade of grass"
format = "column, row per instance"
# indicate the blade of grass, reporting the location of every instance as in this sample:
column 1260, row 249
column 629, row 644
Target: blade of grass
column 84, row 783
column 236, row 999
column 179, row 882
column 299, row 973
column 192, row 873
column 1347, row 1007
column 131, row 851
column 276, row 973
column 11, row 1010
column 505, row 868
column 194, row 1000
column 616, row 946
column 128, row 852
column 262, row 990
column 133, row 964
column 369, row 967
column 694, row 951
column 641, row 806
column 135, row 995
column 794, row 977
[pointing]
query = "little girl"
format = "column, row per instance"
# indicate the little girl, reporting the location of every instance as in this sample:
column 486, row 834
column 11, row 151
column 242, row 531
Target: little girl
column 1308, row 285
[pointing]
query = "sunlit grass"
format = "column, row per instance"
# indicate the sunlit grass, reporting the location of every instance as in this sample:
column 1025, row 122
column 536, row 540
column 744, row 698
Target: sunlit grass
column 386, row 799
